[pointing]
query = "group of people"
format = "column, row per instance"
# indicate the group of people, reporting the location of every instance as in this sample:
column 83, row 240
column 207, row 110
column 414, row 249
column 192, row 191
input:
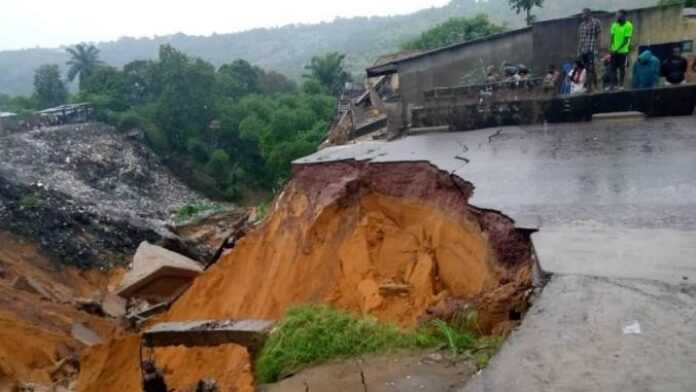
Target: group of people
column 647, row 70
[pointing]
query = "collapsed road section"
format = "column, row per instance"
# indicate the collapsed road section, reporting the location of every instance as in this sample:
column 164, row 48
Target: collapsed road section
column 398, row 241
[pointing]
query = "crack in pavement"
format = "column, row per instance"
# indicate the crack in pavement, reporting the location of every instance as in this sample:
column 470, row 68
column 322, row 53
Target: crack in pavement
column 362, row 376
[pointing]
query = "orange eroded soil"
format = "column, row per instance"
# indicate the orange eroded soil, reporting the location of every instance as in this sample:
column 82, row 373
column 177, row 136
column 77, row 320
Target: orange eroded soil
column 395, row 256
column 34, row 330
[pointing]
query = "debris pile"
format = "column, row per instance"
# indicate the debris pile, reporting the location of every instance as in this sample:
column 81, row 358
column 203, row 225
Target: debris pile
column 86, row 193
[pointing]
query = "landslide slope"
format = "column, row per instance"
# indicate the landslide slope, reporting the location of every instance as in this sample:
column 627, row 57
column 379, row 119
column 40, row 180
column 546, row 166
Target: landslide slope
column 86, row 193
column 398, row 241
column 35, row 328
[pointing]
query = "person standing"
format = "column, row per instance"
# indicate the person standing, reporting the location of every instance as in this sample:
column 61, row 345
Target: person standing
column 674, row 68
column 621, row 36
column 646, row 71
column 588, row 45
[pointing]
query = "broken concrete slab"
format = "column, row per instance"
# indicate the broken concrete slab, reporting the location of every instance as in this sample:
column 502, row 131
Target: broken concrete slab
column 631, row 178
column 248, row 333
column 158, row 274
column 84, row 335
column 573, row 339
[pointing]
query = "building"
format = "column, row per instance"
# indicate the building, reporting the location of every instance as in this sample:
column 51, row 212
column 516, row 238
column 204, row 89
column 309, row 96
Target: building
column 544, row 43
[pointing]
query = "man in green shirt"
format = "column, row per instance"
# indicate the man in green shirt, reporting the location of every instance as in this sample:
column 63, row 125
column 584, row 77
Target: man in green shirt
column 621, row 35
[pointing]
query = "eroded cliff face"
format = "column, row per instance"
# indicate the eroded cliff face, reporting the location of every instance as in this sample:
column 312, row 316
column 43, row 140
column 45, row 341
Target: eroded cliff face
column 398, row 241
column 36, row 319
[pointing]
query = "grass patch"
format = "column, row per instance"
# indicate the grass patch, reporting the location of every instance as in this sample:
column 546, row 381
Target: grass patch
column 191, row 210
column 30, row 201
column 310, row 334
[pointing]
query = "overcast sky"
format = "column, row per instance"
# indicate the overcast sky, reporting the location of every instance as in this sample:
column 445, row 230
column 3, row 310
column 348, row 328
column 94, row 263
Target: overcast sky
column 51, row 23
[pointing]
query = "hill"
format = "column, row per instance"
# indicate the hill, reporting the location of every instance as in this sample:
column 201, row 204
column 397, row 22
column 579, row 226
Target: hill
column 287, row 49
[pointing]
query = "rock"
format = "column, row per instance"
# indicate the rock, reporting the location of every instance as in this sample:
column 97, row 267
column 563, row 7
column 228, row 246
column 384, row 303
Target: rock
column 391, row 288
column 31, row 387
column 90, row 305
column 207, row 386
column 85, row 335
column 31, row 286
column 66, row 369
column 113, row 305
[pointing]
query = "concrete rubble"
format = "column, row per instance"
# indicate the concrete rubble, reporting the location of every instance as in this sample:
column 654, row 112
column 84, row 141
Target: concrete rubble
column 248, row 333
column 103, row 304
column 158, row 274
column 85, row 335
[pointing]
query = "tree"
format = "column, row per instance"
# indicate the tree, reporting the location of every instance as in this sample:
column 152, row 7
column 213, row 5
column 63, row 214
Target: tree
column 83, row 62
column 239, row 78
column 142, row 81
column 186, row 104
column 453, row 31
column 329, row 71
column 526, row 5
column 49, row 89
column 108, row 83
column 686, row 3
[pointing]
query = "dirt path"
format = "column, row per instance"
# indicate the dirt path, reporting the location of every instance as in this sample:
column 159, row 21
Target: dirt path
column 403, row 372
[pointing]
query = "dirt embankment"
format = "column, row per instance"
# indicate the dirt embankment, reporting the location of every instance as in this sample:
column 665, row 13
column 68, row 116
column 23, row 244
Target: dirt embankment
column 35, row 328
column 398, row 241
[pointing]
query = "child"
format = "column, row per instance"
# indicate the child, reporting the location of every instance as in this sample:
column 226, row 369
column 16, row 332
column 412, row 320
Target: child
column 578, row 78
column 552, row 78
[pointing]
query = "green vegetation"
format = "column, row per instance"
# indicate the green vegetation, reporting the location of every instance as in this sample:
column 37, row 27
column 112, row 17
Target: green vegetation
column 686, row 3
column 311, row 333
column 193, row 210
column 49, row 89
column 288, row 49
column 84, row 60
column 228, row 132
column 526, row 6
column 453, row 31
column 30, row 201
column 328, row 70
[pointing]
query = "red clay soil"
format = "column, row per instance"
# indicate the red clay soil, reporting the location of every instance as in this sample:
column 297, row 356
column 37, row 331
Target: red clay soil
column 347, row 234
column 35, row 330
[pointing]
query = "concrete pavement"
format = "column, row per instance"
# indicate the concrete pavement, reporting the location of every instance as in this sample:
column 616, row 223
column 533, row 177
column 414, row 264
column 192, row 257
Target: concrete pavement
column 615, row 205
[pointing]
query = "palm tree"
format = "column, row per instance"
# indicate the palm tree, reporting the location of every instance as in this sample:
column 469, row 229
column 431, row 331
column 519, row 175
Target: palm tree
column 85, row 59
column 329, row 71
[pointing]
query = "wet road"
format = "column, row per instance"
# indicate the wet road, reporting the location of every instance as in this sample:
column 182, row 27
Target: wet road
column 610, row 199
column 615, row 205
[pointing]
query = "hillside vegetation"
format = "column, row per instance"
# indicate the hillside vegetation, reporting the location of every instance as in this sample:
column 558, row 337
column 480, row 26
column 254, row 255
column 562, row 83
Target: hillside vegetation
column 287, row 49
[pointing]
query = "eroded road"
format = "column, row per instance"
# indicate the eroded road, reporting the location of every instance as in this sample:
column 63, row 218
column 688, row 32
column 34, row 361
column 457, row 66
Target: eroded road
column 615, row 205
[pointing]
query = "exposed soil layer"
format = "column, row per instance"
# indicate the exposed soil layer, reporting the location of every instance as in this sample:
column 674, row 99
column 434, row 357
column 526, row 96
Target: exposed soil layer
column 398, row 241
column 35, row 328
